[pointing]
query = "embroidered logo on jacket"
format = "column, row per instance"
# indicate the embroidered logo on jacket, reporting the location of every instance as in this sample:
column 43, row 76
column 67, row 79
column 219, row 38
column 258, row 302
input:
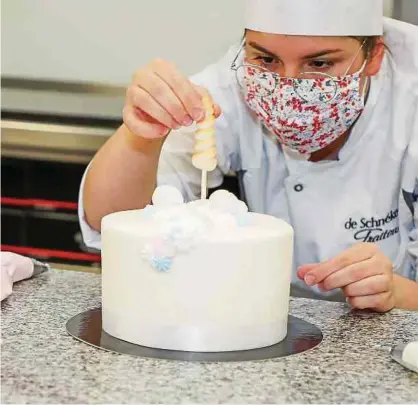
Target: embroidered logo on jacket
column 373, row 229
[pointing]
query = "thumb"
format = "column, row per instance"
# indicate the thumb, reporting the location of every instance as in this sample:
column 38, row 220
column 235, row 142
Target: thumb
column 305, row 269
column 217, row 110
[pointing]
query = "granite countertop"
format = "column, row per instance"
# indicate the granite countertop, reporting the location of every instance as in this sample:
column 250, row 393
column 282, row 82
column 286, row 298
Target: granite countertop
column 41, row 363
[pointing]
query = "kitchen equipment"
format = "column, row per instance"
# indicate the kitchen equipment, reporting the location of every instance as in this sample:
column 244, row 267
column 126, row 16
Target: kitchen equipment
column 50, row 132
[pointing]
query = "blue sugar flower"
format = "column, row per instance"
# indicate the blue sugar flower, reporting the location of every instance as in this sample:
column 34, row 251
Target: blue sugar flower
column 162, row 264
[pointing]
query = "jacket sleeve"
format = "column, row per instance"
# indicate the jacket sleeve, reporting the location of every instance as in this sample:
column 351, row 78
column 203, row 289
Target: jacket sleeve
column 413, row 234
column 175, row 168
column 411, row 197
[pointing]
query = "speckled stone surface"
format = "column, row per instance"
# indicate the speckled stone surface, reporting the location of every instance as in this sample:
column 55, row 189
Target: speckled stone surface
column 41, row 363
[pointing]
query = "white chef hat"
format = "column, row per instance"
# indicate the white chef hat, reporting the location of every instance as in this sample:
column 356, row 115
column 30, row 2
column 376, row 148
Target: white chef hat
column 316, row 17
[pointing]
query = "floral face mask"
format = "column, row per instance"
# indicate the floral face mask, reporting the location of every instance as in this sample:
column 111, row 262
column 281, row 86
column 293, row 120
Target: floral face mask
column 306, row 114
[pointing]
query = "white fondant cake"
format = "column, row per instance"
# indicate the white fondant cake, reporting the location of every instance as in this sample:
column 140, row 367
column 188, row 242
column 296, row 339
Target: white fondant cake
column 205, row 276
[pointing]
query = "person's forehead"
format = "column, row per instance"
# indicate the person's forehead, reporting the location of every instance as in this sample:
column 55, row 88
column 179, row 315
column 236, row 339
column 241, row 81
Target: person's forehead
column 274, row 41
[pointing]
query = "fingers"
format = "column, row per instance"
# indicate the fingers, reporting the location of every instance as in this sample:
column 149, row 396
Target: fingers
column 382, row 302
column 217, row 111
column 149, row 105
column 351, row 274
column 357, row 253
column 363, row 272
column 188, row 94
column 368, row 286
column 142, row 125
column 160, row 94
column 305, row 269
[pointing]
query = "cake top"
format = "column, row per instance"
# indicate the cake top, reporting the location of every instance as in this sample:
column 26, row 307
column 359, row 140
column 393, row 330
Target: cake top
column 222, row 207
column 172, row 227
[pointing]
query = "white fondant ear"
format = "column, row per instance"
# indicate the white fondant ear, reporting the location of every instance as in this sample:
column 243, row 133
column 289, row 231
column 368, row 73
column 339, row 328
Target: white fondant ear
column 241, row 208
column 165, row 196
column 221, row 196
column 225, row 201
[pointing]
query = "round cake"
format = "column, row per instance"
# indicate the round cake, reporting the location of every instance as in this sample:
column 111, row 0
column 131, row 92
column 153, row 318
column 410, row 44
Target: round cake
column 204, row 276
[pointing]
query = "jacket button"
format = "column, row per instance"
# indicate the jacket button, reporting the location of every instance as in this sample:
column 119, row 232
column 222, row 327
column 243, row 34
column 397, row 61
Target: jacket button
column 298, row 188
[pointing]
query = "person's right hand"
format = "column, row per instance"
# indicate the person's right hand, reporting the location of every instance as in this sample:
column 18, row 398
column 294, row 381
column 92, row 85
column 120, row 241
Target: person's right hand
column 160, row 99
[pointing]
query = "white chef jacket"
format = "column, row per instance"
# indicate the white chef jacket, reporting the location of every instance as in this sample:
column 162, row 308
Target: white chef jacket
column 369, row 194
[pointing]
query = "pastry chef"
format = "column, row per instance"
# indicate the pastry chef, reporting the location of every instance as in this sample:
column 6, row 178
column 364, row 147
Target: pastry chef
column 317, row 114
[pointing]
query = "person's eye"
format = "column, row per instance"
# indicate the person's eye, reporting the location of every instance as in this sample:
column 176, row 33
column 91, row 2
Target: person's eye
column 321, row 64
column 268, row 60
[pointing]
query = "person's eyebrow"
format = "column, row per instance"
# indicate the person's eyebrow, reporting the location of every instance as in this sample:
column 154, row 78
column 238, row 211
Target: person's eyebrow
column 310, row 56
column 322, row 53
column 261, row 49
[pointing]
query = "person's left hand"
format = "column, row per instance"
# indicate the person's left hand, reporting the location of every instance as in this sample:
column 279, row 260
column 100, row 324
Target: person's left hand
column 363, row 272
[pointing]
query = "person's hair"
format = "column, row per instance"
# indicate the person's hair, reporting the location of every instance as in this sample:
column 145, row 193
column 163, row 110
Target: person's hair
column 370, row 43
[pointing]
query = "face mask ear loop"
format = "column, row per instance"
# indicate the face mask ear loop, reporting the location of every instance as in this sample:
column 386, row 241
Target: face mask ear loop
column 354, row 60
column 366, row 89
column 241, row 51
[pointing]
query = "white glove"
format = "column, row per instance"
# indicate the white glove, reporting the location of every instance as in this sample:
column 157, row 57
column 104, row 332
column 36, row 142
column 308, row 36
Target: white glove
column 13, row 268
